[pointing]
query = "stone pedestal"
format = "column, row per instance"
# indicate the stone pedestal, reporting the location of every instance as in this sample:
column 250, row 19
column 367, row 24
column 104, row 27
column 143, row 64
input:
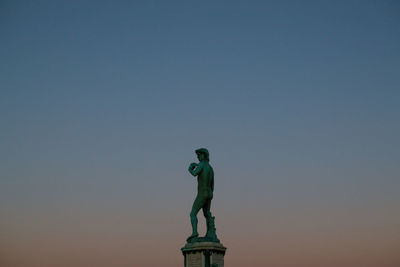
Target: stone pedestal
column 204, row 254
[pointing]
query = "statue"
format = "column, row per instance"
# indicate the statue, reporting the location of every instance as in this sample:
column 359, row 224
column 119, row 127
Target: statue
column 205, row 189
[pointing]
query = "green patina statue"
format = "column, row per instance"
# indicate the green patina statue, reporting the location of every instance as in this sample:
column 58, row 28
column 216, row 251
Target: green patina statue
column 205, row 189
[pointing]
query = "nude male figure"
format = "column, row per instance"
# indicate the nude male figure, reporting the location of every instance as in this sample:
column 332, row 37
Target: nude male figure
column 205, row 189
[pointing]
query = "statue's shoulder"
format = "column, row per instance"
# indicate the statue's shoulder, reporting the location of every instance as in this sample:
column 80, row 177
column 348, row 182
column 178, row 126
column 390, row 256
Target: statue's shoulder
column 204, row 165
column 208, row 167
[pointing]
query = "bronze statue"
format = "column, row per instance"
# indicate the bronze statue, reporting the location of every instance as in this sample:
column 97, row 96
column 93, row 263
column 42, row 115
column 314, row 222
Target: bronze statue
column 205, row 189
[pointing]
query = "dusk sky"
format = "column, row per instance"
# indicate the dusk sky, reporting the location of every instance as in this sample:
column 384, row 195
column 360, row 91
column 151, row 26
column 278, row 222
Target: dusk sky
column 102, row 104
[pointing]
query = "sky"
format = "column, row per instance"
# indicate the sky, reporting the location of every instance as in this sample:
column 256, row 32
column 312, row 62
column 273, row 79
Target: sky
column 102, row 104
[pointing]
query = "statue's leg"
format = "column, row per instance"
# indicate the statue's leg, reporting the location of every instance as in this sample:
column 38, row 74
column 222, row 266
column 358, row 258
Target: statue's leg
column 197, row 205
column 207, row 214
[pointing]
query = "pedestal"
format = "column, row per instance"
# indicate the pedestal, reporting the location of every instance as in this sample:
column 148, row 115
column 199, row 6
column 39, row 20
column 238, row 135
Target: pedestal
column 204, row 254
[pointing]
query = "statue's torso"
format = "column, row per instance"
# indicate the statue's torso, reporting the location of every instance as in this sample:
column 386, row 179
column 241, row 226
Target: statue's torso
column 205, row 181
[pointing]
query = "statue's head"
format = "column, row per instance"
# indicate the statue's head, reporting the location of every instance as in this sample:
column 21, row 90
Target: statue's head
column 202, row 153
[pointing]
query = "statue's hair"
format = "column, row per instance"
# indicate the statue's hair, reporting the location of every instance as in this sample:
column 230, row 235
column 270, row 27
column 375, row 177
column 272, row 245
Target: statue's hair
column 203, row 151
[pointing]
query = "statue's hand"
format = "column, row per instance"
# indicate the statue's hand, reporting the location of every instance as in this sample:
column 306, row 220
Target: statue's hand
column 193, row 165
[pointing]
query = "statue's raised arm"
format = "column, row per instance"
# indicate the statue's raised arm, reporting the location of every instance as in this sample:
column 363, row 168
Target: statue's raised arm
column 195, row 168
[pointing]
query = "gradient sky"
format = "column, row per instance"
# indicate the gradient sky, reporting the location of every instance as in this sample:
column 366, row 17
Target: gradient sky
column 103, row 103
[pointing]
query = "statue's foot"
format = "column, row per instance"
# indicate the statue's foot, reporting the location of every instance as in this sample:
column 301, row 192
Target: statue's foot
column 194, row 235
